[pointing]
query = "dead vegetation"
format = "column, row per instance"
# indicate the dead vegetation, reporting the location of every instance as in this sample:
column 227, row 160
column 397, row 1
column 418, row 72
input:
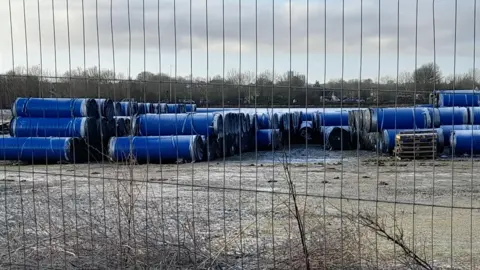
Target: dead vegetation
column 90, row 224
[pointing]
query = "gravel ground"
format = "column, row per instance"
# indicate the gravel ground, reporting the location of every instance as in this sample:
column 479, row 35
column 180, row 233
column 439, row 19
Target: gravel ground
column 218, row 200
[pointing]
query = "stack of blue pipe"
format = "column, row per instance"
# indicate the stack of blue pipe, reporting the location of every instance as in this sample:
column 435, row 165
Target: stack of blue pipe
column 57, row 125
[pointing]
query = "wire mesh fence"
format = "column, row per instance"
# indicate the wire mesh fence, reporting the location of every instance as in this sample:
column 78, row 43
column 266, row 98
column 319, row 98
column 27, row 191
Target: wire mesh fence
column 239, row 134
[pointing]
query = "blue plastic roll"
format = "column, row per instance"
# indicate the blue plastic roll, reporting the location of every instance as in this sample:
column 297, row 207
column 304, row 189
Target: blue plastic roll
column 103, row 128
column 156, row 108
column 175, row 108
column 36, row 150
column 106, row 108
column 55, row 107
column 465, row 142
column 285, row 122
column 128, row 123
column 461, row 99
column 246, row 143
column 179, row 124
column 387, row 144
column 144, row 108
column 118, row 108
column 265, row 121
column 210, row 146
column 314, row 118
column 401, row 118
column 296, row 121
column 334, row 118
column 447, row 130
column 306, row 130
column 268, row 139
column 337, row 138
column 156, row 148
column 453, row 115
column 248, row 123
column 210, row 110
column 459, row 91
column 190, row 107
column 129, row 108
column 83, row 127
column 473, row 115
column 120, row 127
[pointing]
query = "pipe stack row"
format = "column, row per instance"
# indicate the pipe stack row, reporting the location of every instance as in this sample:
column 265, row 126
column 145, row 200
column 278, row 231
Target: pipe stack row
column 57, row 129
column 133, row 108
column 207, row 136
column 453, row 98
column 69, row 129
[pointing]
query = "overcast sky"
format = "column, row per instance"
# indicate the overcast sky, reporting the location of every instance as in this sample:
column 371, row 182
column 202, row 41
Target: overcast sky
column 150, row 34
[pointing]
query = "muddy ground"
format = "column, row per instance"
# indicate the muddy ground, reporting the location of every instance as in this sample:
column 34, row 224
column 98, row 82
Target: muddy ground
column 240, row 208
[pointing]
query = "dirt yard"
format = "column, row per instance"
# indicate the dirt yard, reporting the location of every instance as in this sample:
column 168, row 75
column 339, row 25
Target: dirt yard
column 239, row 209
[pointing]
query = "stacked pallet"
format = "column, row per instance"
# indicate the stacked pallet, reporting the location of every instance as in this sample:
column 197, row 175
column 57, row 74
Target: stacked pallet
column 416, row 144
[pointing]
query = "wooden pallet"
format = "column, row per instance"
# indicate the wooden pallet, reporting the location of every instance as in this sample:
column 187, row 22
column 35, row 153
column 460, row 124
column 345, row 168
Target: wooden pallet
column 418, row 145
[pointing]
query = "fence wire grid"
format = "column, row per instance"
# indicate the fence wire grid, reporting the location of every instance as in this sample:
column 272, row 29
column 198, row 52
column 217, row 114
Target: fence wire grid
column 221, row 134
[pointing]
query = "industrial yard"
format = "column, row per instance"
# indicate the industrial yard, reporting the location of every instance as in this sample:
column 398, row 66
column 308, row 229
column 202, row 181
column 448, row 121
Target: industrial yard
column 216, row 187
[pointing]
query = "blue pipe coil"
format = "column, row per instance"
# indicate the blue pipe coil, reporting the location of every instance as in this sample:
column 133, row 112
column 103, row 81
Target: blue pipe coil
column 447, row 130
column 159, row 108
column 243, row 123
column 401, row 118
column 55, row 107
column 190, row 107
column 473, row 115
column 228, row 127
column 128, row 123
column 458, row 99
column 337, row 138
column 106, row 107
column 156, row 149
column 453, row 115
column 120, row 127
column 144, row 108
column 285, row 122
column 268, row 139
column 435, row 117
column 83, row 127
column 210, row 110
column 306, row 130
column 296, row 121
column 314, row 118
column 210, row 146
column 230, row 145
column 465, row 142
column 103, row 128
column 459, row 91
column 248, row 123
column 334, row 118
column 178, row 124
column 246, row 143
column 118, row 108
column 175, row 108
column 262, row 121
column 129, row 108
column 156, row 108
column 387, row 144
column 151, row 108
column 37, row 149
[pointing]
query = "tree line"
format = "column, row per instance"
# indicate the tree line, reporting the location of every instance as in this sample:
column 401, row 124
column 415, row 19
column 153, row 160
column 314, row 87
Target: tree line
column 244, row 89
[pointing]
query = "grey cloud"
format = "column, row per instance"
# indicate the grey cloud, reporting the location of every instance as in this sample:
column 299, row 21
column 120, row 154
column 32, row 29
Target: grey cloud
column 159, row 17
